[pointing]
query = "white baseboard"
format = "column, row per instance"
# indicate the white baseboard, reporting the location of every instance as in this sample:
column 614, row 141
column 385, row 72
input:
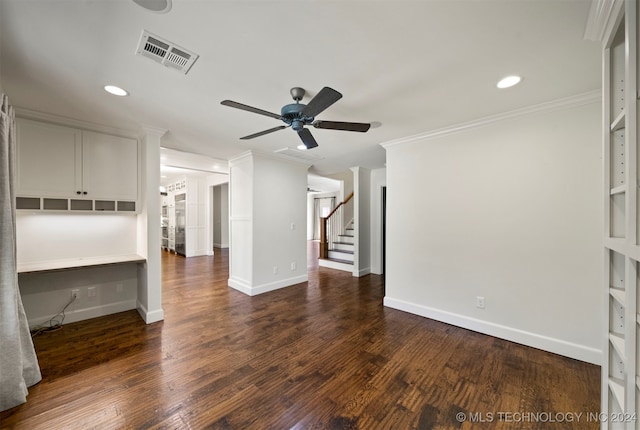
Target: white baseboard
column 250, row 290
column 335, row 265
column 87, row 313
column 150, row 317
column 361, row 272
column 556, row 346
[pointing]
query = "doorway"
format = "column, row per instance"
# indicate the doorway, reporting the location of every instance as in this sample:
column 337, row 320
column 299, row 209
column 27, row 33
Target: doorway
column 220, row 215
column 384, row 238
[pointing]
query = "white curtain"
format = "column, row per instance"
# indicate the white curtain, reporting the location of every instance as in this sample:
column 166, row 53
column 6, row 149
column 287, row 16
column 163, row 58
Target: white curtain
column 19, row 367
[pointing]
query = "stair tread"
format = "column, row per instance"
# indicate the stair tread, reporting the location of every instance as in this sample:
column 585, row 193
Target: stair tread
column 337, row 260
column 341, row 250
column 343, row 243
column 346, row 235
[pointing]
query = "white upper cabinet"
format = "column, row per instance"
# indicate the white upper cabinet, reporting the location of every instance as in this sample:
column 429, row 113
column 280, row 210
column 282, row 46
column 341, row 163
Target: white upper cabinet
column 49, row 160
column 110, row 166
column 67, row 163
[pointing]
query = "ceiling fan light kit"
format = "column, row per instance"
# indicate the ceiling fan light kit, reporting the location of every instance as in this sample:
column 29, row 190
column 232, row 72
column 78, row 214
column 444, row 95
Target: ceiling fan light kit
column 297, row 115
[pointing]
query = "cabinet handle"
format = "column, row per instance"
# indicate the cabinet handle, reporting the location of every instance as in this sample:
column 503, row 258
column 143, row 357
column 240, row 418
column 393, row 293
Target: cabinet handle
column 84, row 192
column 78, row 192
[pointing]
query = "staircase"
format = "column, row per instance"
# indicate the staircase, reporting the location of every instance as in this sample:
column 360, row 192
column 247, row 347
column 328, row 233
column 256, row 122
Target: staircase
column 342, row 250
column 337, row 249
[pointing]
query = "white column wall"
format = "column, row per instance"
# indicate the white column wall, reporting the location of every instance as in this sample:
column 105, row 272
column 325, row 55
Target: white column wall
column 149, row 274
column 268, row 213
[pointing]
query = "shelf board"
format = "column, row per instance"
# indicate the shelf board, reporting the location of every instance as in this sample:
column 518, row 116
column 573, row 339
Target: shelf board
column 618, row 295
column 617, row 388
column 618, row 122
column 617, row 244
column 618, row 343
column 75, row 263
column 620, row 189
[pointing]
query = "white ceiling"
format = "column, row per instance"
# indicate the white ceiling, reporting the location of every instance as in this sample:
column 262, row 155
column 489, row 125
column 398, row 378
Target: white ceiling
column 408, row 66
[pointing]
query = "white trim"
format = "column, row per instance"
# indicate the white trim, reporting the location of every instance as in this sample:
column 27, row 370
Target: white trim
column 252, row 153
column 599, row 19
column 565, row 103
column 249, row 290
column 149, row 317
column 154, row 131
column 534, row 340
column 88, row 313
column 362, row 272
column 336, row 265
column 76, row 123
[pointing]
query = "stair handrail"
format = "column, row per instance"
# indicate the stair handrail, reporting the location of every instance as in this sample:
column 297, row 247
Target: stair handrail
column 324, row 244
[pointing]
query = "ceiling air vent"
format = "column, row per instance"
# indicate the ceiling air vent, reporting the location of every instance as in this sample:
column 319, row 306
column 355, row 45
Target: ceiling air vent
column 296, row 153
column 166, row 53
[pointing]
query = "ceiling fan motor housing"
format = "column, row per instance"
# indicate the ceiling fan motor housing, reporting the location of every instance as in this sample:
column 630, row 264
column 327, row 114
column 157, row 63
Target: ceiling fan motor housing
column 293, row 116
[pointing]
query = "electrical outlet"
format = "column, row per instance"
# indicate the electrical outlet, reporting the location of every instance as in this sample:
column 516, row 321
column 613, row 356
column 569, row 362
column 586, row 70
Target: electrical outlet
column 118, row 288
column 293, row 265
column 293, row 226
column 75, row 294
column 480, row 302
column 275, row 270
column 91, row 292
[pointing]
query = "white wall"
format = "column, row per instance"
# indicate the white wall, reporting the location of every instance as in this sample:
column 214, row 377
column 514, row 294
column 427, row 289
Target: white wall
column 58, row 236
column 211, row 182
column 378, row 180
column 220, row 216
column 347, row 187
column 510, row 211
column 362, row 221
column 268, row 214
column 149, row 301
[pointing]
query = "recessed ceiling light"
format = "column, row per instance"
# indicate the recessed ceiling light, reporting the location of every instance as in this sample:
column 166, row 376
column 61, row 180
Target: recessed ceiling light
column 116, row 91
column 509, row 81
column 302, row 147
column 160, row 6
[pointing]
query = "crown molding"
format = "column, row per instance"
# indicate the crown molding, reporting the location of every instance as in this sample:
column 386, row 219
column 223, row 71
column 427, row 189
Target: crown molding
column 76, row 123
column 565, row 103
column 602, row 19
column 153, row 131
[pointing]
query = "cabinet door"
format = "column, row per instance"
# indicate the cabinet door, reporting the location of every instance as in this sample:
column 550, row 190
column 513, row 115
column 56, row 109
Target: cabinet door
column 110, row 166
column 48, row 160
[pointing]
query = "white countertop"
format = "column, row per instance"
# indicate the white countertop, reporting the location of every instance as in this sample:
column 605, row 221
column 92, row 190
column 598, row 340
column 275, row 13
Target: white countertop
column 71, row 263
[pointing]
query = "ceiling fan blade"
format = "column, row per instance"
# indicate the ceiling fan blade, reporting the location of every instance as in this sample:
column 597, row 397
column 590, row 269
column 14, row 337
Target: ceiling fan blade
column 346, row 126
column 237, row 105
column 307, row 138
column 325, row 98
column 262, row 133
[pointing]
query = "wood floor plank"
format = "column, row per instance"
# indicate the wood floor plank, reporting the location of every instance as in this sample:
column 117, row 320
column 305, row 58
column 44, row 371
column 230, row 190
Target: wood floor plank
column 324, row 354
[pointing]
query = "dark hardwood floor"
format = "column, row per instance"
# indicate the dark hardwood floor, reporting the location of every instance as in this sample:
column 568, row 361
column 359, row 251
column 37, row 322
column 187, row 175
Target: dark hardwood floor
column 320, row 355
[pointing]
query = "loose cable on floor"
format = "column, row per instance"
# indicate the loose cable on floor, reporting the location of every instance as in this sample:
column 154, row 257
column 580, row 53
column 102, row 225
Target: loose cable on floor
column 54, row 324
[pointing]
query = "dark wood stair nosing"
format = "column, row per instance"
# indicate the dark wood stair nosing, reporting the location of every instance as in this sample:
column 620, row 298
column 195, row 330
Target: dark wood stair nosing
column 337, row 260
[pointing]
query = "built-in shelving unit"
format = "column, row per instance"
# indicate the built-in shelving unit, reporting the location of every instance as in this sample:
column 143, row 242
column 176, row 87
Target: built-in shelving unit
column 620, row 369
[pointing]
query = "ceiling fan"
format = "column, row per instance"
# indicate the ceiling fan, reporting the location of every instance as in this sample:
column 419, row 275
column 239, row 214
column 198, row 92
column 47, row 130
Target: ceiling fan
column 297, row 115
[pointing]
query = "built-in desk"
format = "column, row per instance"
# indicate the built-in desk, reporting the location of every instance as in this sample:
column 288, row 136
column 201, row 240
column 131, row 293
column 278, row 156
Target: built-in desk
column 76, row 263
